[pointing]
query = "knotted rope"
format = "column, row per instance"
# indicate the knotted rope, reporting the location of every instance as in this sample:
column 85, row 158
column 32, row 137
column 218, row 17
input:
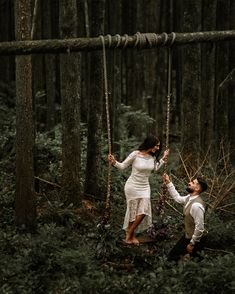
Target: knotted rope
column 106, row 215
column 163, row 196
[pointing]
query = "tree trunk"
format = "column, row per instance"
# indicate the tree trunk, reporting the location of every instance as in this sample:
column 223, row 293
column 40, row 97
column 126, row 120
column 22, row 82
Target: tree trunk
column 50, row 74
column 38, row 76
column 222, row 70
column 6, row 34
column 232, row 88
column 114, row 63
column 25, row 205
column 208, row 80
column 85, row 31
column 191, row 86
column 70, row 92
column 94, row 141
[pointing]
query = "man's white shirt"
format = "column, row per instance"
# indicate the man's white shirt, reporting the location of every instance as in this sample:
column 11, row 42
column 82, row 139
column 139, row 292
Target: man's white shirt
column 197, row 211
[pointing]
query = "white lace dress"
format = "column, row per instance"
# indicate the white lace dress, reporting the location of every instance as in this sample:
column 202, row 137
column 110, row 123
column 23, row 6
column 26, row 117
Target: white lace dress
column 137, row 188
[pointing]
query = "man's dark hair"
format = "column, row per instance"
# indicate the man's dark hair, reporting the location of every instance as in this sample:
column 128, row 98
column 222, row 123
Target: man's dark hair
column 202, row 184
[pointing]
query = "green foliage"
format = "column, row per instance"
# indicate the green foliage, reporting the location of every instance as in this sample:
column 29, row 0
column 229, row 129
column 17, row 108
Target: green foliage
column 132, row 122
column 51, row 259
column 48, row 155
column 221, row 233
column 192, row 277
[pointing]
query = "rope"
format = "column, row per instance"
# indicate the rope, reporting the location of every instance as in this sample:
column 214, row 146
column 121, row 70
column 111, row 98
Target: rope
column 163, row 197
column 151, row 39
column 106, row 215
column 168, row 97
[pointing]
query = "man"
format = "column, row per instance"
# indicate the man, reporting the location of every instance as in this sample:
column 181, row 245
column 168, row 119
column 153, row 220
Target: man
column 193, row 240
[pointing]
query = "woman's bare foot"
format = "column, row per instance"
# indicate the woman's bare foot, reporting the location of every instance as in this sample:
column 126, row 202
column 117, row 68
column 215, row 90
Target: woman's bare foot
column 131, row 240
column 128, row 239
column 135, row 241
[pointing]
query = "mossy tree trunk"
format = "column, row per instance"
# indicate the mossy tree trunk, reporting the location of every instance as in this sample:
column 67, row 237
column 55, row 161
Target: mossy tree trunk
column 25, row 204
column 70, row 106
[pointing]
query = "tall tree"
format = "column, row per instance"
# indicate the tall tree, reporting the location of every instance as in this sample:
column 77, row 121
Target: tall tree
column 95, row 104
column 38, row 69
column 25, row 206
column 114, row 68
column 160, row 70
column 50, row 69
column 70, row 106
column 84, row 30
column 191, row 84
column 7, row 34
column 222, row 70
column 208, row 79
column 232, row 87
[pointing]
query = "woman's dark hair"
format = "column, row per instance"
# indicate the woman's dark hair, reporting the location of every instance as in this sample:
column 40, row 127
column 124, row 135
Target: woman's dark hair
column 150, row 142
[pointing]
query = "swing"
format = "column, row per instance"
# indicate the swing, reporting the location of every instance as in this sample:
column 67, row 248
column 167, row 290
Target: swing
column 154, row 235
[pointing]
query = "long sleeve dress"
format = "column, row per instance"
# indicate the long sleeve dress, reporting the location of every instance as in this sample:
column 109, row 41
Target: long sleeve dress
column 137, row 188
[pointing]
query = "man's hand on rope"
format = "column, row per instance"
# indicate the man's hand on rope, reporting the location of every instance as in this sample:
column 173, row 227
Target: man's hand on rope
column 111, row 159
column 166, row 154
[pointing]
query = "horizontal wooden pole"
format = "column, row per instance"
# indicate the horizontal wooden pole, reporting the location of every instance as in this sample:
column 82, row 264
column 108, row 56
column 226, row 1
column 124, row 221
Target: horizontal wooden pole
column 139, row 40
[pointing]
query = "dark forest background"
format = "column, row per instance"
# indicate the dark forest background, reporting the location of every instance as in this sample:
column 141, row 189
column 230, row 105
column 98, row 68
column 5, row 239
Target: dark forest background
column 54, row 143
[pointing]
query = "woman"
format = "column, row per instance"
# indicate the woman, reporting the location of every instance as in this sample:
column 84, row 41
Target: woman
column 137, row 188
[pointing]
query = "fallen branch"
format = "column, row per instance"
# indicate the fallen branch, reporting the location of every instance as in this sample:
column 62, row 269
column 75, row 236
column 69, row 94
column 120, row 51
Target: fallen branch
column 217, row 250
column 121, row 266
column 47, row 182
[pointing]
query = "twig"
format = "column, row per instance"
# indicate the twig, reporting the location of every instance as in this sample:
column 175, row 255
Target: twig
column 227, row 176
column 47, row 182
column 229, row 76
column 212, row 187
column 227, row 211
column 174, row 208
column 183, row 164
column 35, row 10
column 217, row 250
column 202, row 163
column 230, row 204
column 123, row 266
